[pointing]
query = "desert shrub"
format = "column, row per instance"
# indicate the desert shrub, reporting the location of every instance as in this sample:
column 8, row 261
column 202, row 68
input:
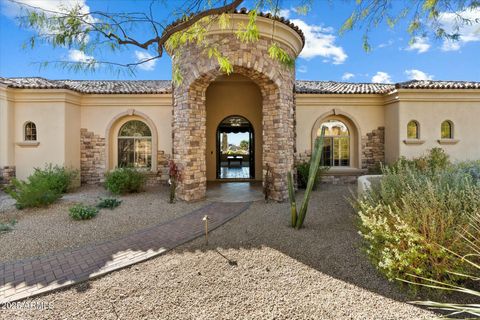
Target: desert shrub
column 124, row 180
column 36, row 193
column 302, row 175
column 5, row 227
column 109, row 203
column 59, row 179
column 418, row 209
column 82, row 212
column 43, row 187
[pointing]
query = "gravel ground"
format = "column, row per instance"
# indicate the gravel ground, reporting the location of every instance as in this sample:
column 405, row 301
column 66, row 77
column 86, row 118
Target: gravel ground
column 274, row 272
column 46, row 230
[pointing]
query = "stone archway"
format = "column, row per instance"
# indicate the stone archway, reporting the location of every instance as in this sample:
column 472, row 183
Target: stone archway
column 275, row 81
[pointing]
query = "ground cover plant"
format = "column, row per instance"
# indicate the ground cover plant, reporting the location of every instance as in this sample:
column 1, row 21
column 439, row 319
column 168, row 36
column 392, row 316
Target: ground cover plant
column 124, row 180
column 108, row 203
column 82, row 212
column 5, row 227
column 43, row 187
column 412, row 221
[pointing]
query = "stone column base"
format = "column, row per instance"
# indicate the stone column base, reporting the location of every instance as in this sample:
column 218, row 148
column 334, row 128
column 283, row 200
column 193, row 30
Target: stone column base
column 7, row 173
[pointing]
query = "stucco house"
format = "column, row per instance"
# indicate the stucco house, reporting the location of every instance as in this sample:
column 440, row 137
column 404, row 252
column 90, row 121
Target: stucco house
column 95, row 126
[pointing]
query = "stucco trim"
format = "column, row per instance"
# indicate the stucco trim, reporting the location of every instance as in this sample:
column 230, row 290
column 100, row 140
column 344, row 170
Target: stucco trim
column 414, row 141
column 448, row 141
column 151, row 125
column 349, row 117
column 28, row 143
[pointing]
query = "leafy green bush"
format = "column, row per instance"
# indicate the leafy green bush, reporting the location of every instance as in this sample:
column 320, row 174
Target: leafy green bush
column 124, row 180
column 37, row 193
column 419, row 209
column 42, row 188
column 302, row 175
column 82, row 212
column 109, row 203
column 58, row 178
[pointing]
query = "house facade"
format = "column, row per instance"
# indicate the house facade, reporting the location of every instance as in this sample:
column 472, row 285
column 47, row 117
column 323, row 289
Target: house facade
column 96, row 126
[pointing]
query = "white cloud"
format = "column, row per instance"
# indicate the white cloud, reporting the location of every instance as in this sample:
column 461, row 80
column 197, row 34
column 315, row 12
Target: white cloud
column 13, row 9
column 467, row 32
column 319, row 41
column 419, row 44
column 302, row 68
column 381, row 77
column 414, row 74
column 79, row 56
column 347, row 76
column 142, row 56
column 385, row 44
column 284, row 13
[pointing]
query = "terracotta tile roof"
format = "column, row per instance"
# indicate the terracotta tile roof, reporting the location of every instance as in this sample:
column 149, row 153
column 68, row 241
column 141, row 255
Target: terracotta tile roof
column 333, row 87
column 165, row 86
column 430, row 84
column 93, row 86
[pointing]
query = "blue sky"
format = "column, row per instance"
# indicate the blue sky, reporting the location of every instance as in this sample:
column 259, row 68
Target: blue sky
column 326, row 56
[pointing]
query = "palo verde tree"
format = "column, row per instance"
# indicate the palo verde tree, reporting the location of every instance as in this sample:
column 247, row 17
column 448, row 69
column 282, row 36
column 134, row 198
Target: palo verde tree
column 91, row 31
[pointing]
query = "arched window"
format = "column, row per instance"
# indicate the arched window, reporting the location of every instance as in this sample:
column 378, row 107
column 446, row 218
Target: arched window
column 336, row 146
column 30, row 131
column 135, row 145
column 413, row 131
column 446, row 130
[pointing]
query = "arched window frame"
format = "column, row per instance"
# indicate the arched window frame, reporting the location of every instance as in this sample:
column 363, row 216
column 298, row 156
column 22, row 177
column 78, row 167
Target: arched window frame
column 330, row 140
column 30, row 131
column 417, row 130
column 136, row 139
column 450, row 132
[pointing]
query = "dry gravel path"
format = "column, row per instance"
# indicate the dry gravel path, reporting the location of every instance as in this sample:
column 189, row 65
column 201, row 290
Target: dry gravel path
column 274, row 272
column 40, row 231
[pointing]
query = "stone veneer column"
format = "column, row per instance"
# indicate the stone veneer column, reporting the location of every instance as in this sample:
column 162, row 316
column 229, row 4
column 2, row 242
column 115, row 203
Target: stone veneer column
column 373, row 149
column 7, row 173
column 276, row 83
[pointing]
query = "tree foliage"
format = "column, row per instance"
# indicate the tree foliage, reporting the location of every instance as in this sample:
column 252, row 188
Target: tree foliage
column 422, row 17
column 91, row 32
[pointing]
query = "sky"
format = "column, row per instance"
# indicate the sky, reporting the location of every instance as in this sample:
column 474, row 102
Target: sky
column 326, row 55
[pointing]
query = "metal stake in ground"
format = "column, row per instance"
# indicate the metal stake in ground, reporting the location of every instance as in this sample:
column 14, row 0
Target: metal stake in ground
column 205, row 218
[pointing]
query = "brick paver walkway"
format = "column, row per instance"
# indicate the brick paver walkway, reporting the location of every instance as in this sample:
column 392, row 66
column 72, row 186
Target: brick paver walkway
column 33, row 276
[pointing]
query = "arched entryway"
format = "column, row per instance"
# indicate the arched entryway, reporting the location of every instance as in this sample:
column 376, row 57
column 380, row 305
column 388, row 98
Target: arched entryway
column 235, row 149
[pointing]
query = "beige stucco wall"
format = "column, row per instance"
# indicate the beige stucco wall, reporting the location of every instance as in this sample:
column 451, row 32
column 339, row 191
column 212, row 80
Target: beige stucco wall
column 234, row 95
column 366, row 112
column 7, row 117
column 54, row 114
column 98, row 111
column 392, row 131
column 430, row 109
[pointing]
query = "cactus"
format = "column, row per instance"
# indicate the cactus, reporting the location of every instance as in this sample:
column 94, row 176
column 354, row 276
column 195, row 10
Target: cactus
column 291, row 196
column 299, row 217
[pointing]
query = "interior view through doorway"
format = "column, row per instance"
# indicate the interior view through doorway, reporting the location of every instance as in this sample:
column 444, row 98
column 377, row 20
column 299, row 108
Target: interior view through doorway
column 235, row 149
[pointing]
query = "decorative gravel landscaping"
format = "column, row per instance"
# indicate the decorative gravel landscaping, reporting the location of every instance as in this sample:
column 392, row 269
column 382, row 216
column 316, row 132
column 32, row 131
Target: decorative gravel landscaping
column 44, row 230
column 254, row 267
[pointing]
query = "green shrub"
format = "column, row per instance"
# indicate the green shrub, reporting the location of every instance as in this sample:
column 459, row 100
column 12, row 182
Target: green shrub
column 109, row 203
column 58, row 178
column 42, row 188
column 5, row 227
column 419, row 209
column 82, row 212
column 37, row 193
column 124, row 180
column 302, row 175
